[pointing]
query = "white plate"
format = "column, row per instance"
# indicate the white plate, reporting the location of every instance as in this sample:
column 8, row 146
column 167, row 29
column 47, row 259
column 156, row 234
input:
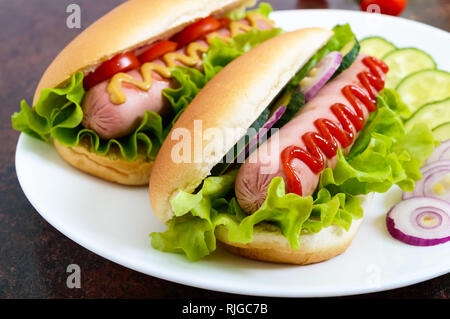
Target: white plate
column 115, row 221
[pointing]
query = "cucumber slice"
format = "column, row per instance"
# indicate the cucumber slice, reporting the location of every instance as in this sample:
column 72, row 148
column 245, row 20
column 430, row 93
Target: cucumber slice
column 442, row 132
column 376, row 47
column 424, row 87
column 433, row 114
column 348, row 47
column 348, row 58
column 406, row 61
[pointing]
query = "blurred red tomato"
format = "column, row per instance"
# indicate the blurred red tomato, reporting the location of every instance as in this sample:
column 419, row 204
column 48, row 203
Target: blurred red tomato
column 391, row 7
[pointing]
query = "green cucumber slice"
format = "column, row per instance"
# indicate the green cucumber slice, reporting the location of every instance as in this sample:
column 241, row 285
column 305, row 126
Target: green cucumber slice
column 442, row 132
column 424, row 87
column 348, row 47
column 348, row 58
column 376, row 47
column 433, row 114
column 403, row 62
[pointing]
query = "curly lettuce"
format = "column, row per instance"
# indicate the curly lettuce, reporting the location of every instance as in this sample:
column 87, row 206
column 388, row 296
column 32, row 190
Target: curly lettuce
column 239, row 13
column 383, row 155
column 197, row 215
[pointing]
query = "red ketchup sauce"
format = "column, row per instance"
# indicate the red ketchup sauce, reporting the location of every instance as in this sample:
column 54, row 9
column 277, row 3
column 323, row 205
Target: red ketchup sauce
column 324, row 142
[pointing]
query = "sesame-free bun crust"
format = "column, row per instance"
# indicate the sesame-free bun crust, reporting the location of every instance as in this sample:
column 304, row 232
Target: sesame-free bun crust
column 234, row 98
column 270, row 245
column 129, row 26
column 111, row 167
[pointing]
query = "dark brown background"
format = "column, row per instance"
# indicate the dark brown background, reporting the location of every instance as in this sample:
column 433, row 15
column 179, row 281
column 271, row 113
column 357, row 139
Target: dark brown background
column 33, row 255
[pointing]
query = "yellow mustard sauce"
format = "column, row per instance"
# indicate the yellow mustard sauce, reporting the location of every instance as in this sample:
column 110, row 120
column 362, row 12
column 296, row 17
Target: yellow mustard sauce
column 194, row 52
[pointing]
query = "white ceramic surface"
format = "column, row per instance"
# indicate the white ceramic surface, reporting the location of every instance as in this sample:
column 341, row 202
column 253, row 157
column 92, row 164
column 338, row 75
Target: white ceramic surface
column 114, row 221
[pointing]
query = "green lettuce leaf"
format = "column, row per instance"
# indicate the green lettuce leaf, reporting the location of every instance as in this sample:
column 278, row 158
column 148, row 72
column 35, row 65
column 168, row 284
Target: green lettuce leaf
column 199, row 214
column 239, row 13
column 391, row 99
column 191, row 231
column 56, row 108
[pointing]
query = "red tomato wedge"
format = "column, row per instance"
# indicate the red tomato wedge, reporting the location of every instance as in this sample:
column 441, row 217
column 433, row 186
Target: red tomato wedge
column 224, row 22
column 157, row 50
column 196, row 30
column 120, row 63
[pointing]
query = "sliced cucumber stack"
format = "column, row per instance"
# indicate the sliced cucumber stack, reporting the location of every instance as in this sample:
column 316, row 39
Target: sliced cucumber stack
column 403, row 62
column 442, row 132
column 376, row 47
column 423, row 87
column 434, row 114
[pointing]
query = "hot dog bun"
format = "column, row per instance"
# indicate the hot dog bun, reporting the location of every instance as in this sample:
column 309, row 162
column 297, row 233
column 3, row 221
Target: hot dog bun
column 270, row 245
column 127, row 27
column 262, row 73
column 234, row 98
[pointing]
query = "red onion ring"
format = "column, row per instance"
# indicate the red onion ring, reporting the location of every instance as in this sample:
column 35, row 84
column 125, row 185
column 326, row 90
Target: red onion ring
column 426, row 171
column 430, row 180
column 405, row 221
column 445, row 154
column 253, row 143
column 428, row 212
column 324, row 70
column 441, row 152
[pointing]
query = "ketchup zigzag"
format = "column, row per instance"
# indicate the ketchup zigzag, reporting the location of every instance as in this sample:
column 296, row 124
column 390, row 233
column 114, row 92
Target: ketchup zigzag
column 324, row 142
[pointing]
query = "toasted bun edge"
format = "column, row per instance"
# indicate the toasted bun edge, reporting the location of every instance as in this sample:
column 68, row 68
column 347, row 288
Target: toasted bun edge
column 111, row 167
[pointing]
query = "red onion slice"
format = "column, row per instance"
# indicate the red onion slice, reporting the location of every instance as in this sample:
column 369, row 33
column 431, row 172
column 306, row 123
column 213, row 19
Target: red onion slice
column 427, row 170
column 432, row 167
column 445, row 155
column 420, row 221
column 257, row 138
column 266, row 127
column 437, row 185
column 441, row 152
column 320, row 74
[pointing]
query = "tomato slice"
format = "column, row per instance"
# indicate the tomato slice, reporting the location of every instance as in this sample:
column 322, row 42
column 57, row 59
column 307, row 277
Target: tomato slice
column 224, row 22
column 157, row 50
column 120, row 63
column 196, row 31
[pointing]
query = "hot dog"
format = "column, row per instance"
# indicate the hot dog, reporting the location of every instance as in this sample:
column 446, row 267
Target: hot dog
column 102, row 101
column 299, row 197
column 112, row 120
